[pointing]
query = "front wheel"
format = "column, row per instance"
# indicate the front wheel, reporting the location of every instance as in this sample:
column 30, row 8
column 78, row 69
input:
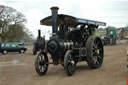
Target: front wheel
column 41, row 63
column 5, row 52
column 95, row 52
column 69, row 63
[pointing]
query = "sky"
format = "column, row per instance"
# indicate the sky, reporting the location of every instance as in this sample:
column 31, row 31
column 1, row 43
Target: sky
column 113, row 12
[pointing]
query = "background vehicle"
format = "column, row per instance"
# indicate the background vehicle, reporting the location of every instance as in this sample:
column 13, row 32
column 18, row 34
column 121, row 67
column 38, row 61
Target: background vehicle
column 73, row 40
column 110, row 37
column 12, row 47
column 39, row 43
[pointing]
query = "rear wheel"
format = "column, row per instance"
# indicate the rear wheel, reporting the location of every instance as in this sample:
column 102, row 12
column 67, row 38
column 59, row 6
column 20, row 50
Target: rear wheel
column 5, row 52
column 41, row 63
column 95, row 52
column 21, row 51
column 69, row 63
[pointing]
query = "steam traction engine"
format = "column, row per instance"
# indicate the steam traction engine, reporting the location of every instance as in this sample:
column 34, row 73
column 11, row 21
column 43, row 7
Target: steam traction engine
column 73, row 40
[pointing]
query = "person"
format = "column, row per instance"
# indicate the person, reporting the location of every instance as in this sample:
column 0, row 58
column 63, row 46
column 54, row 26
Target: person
column 111, row 34
column 21, row 43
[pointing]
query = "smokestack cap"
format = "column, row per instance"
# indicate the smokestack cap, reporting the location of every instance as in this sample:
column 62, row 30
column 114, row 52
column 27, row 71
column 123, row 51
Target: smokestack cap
column 55, row 9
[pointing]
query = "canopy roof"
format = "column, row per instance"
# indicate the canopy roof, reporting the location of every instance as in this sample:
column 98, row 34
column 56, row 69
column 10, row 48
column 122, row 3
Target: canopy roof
column 70, row 21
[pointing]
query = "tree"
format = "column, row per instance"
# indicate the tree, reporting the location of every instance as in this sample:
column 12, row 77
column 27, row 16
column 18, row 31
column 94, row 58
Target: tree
column 28, row 36
column 6, row 17
column 15, row 33
column 12, row 24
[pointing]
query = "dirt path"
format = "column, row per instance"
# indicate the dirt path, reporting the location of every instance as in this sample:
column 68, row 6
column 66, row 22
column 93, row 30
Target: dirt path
column 18, row 69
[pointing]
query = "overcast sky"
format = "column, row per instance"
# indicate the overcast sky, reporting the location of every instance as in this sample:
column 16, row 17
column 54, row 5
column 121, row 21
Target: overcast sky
column 113, row 12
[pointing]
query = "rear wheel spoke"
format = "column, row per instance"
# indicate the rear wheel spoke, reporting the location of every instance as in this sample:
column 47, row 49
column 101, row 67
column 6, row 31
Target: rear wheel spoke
column 94, row 46
column 96, row 51
column 40, row 68
column 41, row 58
column 99, row 57
column 97, row 62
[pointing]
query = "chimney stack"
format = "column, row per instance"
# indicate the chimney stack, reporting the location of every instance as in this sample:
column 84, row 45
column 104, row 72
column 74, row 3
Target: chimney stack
column 39, row 34
column 54, row 20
